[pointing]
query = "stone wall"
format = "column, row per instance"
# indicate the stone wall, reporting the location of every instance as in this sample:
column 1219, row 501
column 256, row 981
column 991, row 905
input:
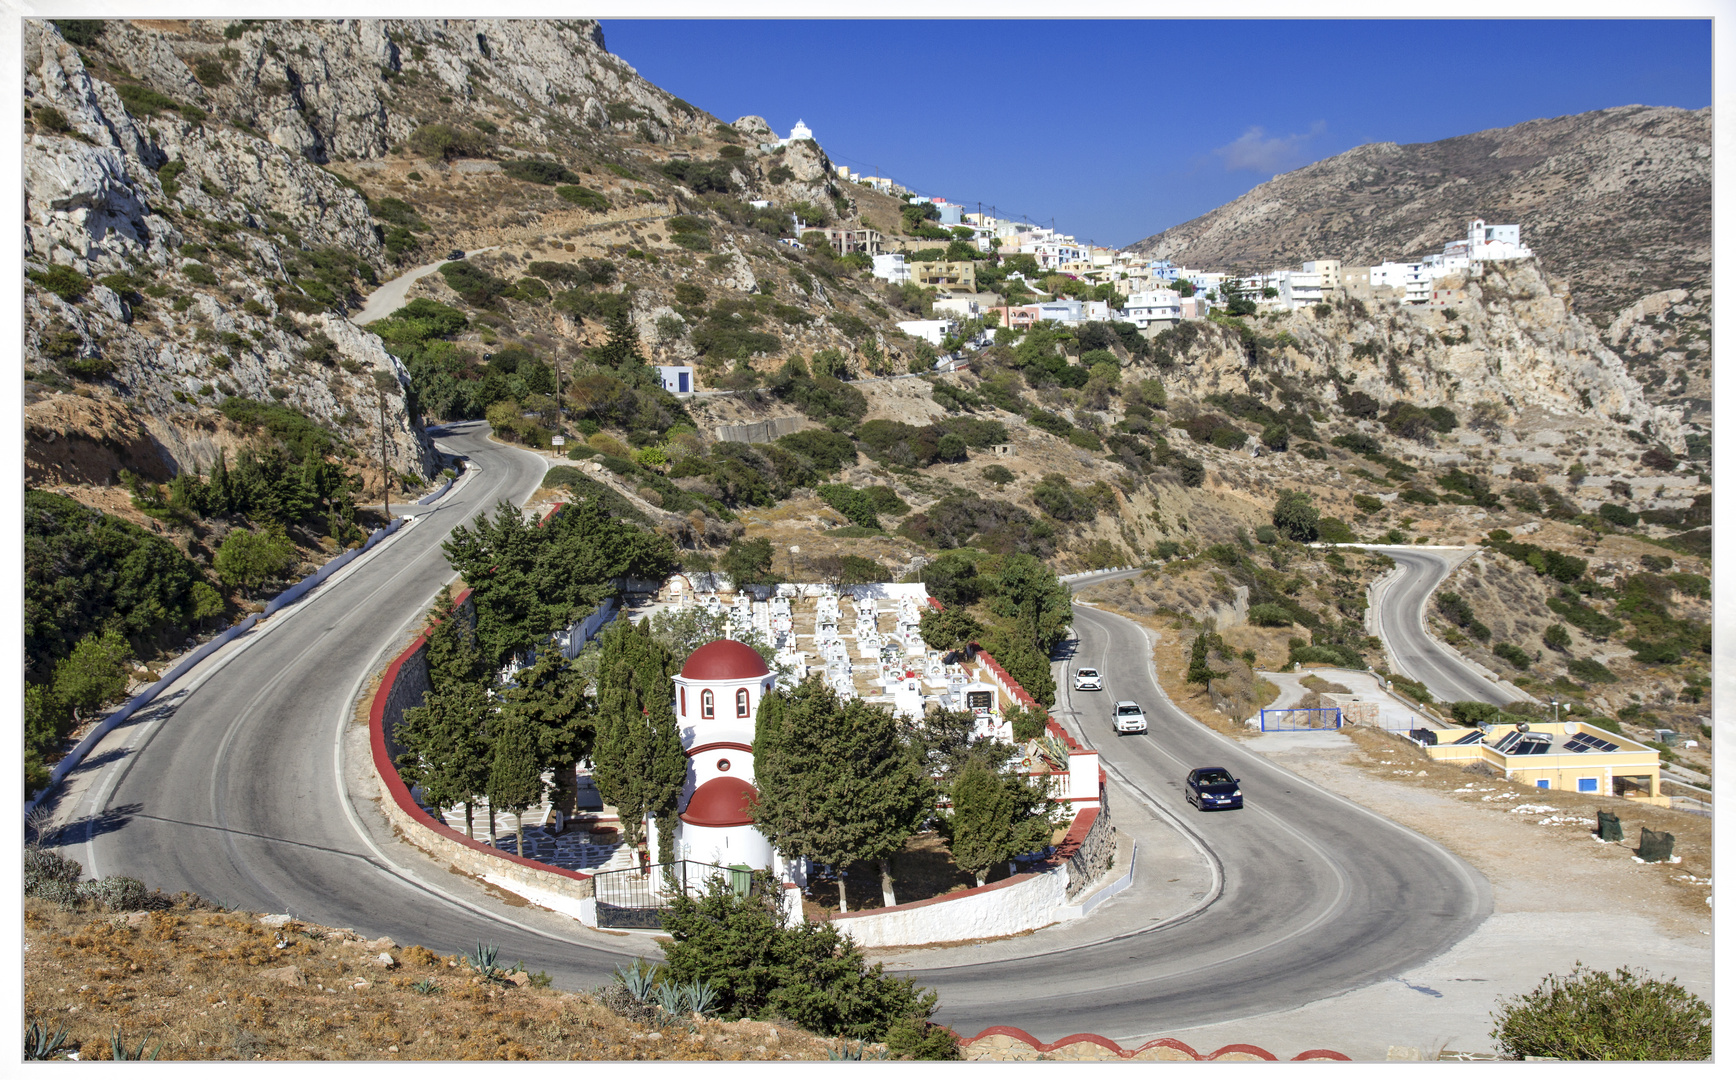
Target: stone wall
column 762, row 431
column 1096, row 851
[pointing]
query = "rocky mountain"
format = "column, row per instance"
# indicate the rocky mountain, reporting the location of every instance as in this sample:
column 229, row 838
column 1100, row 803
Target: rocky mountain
column 1618, row 202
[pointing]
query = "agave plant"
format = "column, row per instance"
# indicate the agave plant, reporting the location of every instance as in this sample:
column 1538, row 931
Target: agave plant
column 638, row 977
column 857, row 1051
column 671, row 998
column 426, row 987
column 1054, row 751
column 482, row 959
column 39, row 1045
column 121, row 1054
column 702, row 997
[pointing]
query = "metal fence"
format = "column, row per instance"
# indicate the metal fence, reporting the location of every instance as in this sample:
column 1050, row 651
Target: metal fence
column 635, row 898
column 1328, row 719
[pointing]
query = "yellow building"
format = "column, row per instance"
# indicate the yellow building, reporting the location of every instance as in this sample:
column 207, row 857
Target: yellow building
column 1560, row 757
column 958, row 276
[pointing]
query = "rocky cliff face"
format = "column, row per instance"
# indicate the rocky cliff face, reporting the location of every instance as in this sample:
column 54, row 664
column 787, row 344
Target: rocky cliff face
column 338, row 90
column 1618, row 201
column 178, row 291
column 1513, row 341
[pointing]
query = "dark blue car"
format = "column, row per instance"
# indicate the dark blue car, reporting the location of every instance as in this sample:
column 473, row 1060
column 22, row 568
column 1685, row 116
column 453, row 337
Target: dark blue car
column 1213, row 788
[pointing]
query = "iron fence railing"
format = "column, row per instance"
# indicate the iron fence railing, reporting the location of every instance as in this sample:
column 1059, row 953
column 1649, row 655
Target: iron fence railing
column 635, row 898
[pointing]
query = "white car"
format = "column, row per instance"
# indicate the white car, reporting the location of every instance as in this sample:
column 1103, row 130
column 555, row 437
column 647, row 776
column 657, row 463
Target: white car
column 1129, row 718
column 1086, row 678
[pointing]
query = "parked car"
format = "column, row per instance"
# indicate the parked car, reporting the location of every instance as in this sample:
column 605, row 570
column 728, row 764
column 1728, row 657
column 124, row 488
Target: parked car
column 454, row 255
column 797, row 244
column 1213, row 788
column 1086, row 678
column 1129, row 718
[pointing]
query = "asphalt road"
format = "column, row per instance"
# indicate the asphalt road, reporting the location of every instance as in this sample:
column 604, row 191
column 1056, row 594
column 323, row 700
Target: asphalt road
column 1417, row 655
column 1319, row 895
column 233, row 788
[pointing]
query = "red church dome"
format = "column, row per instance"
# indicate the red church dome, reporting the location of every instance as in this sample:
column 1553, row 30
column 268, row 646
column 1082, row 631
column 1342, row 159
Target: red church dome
column 721, row 802
column 724, row 660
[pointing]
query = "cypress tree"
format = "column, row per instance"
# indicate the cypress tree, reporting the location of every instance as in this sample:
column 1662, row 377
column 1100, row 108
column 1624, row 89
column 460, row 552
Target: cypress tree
column 995, row 816
column 836, row 781
column 514, row 776
column 445, row 739
column 219, row 494
column 640, row 763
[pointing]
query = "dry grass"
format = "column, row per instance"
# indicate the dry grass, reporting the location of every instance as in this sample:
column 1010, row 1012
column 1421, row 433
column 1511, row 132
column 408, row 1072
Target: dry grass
column 1397, row 760
column 207, row 985
column 923, row 870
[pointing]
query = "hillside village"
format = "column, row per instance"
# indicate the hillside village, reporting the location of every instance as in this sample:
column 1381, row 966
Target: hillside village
column 815, row 454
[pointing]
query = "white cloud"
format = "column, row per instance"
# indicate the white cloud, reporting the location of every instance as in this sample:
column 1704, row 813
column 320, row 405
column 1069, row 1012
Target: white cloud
column 1257, row 152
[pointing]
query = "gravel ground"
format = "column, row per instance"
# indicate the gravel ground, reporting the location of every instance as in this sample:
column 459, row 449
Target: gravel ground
column 1561, row 896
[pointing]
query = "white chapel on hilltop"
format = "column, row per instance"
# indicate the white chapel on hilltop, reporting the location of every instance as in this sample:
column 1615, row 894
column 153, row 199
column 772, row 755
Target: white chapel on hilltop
column 797, row 134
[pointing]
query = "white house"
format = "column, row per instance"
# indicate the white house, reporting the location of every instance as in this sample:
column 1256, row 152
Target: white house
column 1298, row 288
column 933, row 331
column 1412, row 278
column 892, row 267
column 957, row 305
column 1489, row 243
column 675, row 378
column 1158, row 307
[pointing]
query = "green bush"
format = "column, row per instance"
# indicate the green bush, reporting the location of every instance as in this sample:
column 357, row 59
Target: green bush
column 540, row 171
column 1368, row 504
column 143, row 101
column 583, row 197
column 442, row 142
column 1514, row 655
column 1619, row 516
column 1603, row 1016
column 199, row 273
column 1589, row 670
column 997, row 474
column 1269, row 615
column 762, row 966
column 1335, row 531
column 62, row 281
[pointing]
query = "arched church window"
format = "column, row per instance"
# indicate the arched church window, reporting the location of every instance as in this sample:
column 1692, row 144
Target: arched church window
column 741, row 702
column 707, row 708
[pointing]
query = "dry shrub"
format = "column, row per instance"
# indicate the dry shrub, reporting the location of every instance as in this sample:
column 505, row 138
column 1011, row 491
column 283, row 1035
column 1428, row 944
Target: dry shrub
column 417, row 956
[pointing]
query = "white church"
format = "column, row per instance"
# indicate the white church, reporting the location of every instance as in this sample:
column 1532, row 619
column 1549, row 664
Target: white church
column 717, row 697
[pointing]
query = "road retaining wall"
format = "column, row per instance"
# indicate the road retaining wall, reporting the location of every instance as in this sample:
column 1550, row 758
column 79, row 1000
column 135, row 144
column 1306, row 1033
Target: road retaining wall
column 1002, row 1043
column 402, row 687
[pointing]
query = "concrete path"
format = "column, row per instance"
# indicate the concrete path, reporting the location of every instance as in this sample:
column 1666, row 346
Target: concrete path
column 1396, row 714
column 389, row 297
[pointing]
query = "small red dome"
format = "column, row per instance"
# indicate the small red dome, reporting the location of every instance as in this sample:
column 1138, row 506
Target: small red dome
column 721, row 802
column 724, row 660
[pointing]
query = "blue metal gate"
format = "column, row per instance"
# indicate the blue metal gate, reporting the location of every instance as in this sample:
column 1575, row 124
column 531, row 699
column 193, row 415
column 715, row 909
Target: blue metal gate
column 1325, row 719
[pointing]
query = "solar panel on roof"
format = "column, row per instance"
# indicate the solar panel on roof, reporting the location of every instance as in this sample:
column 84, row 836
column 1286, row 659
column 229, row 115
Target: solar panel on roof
column 1475, row 736
column 1583, row 743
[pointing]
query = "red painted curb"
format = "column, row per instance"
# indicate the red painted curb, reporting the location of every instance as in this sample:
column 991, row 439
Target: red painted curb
column 394, row 784
column 1171, row 1044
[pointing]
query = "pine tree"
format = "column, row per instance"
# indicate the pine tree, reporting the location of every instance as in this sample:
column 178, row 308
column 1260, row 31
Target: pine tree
column 995, row 816
column 622, row 348
column 640, row 763
column 514, row 776
column 219, row 493
column 836, row 781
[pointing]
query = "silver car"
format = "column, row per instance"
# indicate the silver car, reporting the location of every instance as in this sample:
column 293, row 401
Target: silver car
column 1087, row 678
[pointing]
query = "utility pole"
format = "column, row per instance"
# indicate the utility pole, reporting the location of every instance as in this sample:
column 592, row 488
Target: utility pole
column 560, row 419
column 381, row 379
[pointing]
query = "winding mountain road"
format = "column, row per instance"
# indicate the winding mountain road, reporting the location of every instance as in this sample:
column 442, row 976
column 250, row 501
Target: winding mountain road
column 1318, row 894
column 1404, row 606
column 241, row 785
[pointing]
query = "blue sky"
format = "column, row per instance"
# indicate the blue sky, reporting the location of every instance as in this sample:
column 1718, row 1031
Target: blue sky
column 1118, row 129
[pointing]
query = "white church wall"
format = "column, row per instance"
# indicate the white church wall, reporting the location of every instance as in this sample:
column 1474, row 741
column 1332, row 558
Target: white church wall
column 1020, row 903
